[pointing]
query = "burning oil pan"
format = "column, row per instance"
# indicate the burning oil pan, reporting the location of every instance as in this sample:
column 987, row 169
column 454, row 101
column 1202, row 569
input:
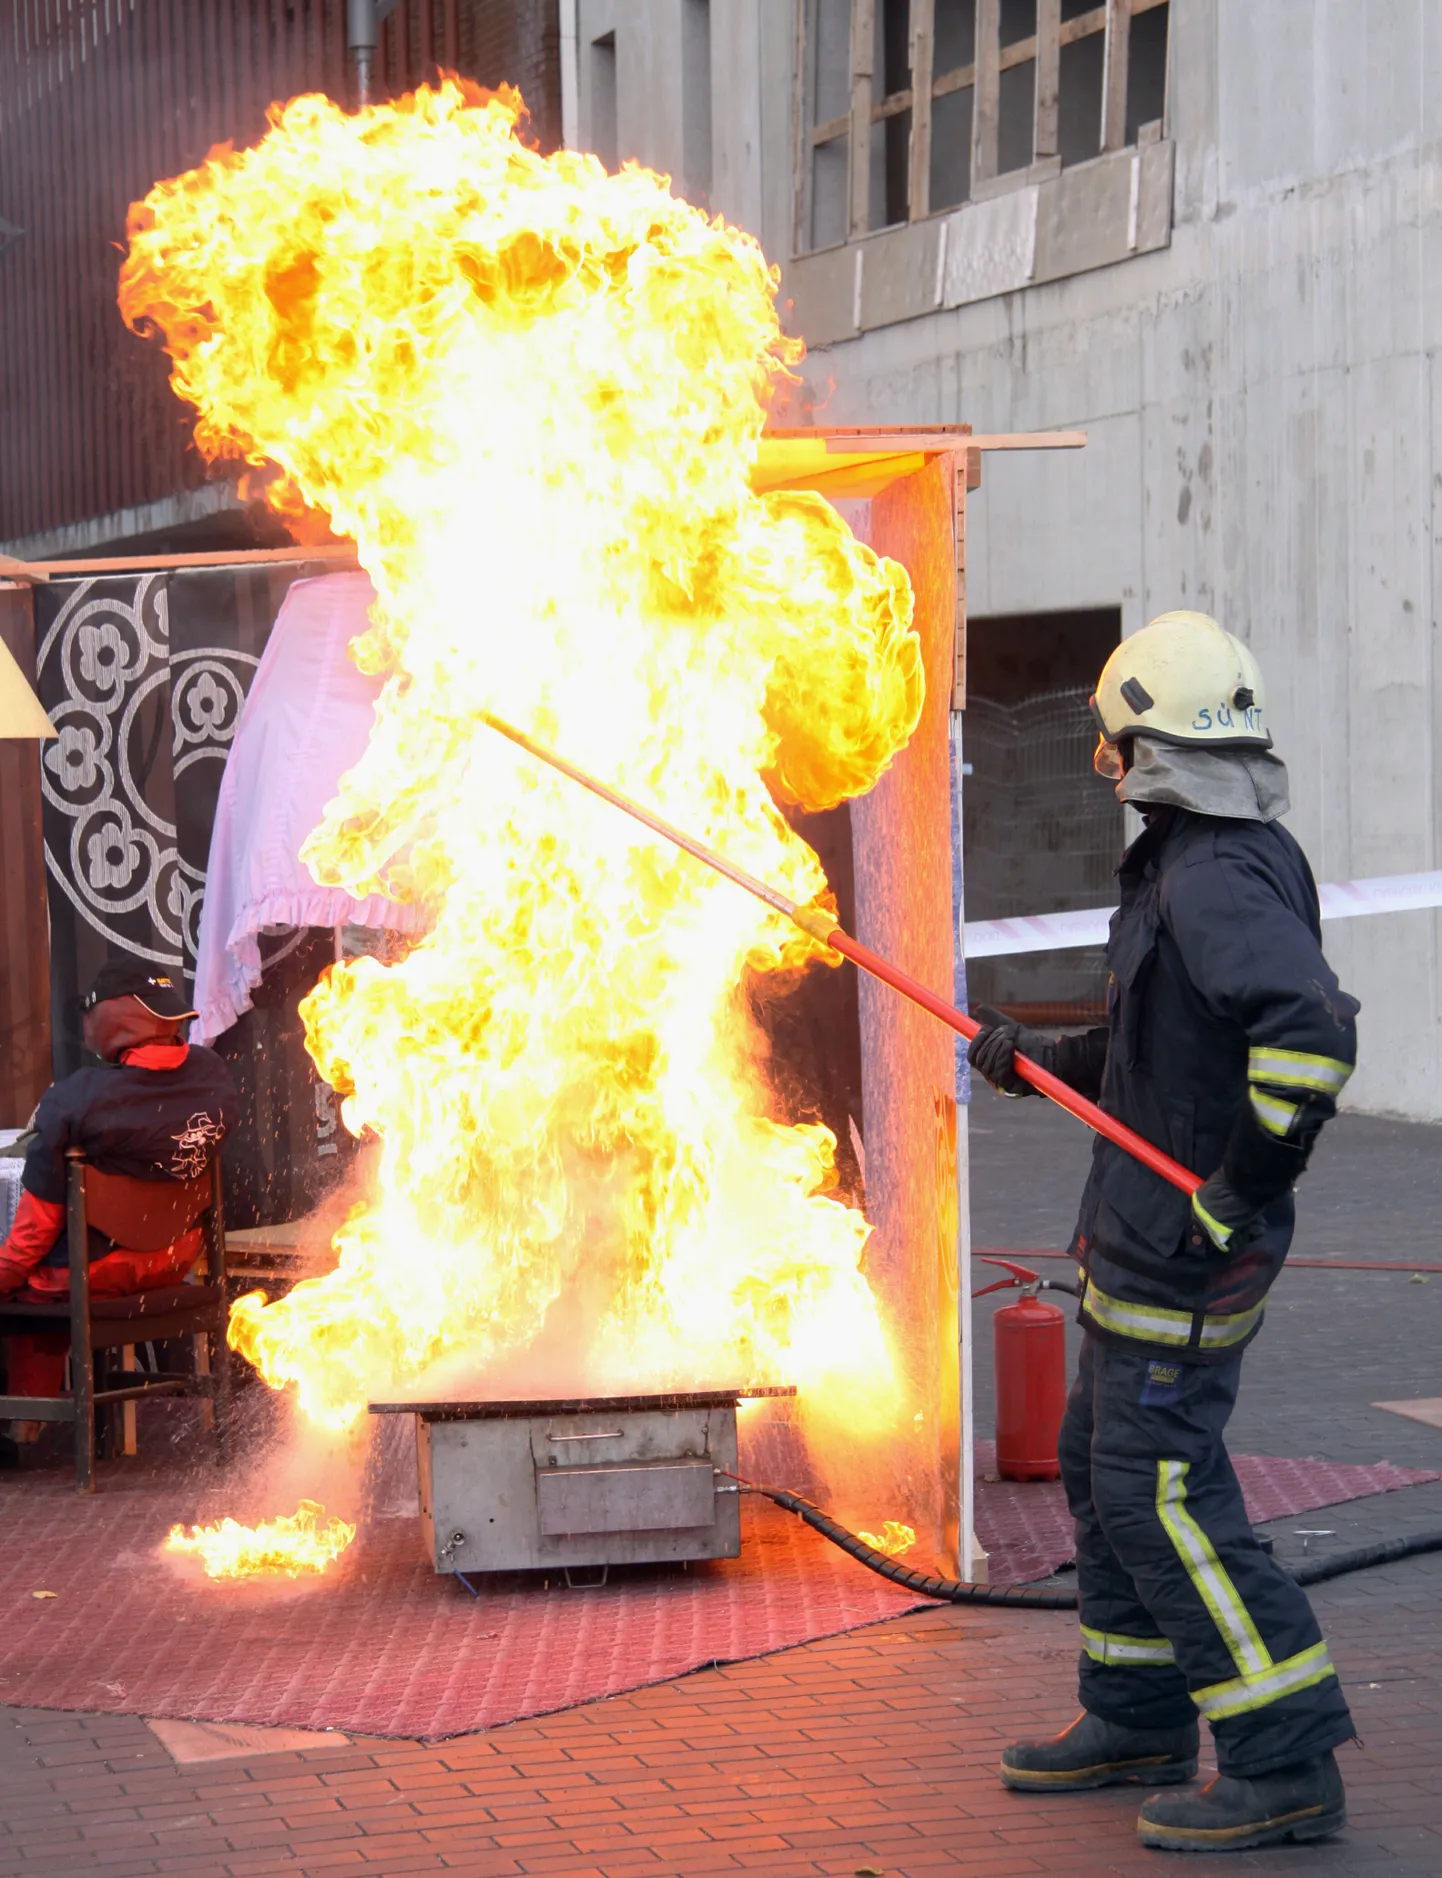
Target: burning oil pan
column 596, row 1481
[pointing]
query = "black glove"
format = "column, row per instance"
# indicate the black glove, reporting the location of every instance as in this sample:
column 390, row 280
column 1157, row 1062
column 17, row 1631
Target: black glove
column 992, row 1051
column 1257, row 1168
column 1222, row 1221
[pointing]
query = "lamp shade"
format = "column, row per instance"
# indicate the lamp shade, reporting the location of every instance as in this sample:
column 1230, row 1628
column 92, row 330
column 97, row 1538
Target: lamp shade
column 21, row 713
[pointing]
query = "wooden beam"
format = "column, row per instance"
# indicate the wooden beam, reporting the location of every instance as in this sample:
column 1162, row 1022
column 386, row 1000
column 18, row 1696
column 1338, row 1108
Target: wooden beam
column 1084, row 25
column 956, row 80
column 863, row 58
column 1114, row 91
column 918, row 160
column 833, row 127
column 892, row 106
column 919, row 437
column 339, row 554
column 987, row 96
column 1048, row 74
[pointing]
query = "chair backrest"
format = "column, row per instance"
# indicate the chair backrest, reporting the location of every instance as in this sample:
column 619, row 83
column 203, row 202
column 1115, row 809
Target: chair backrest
column 142, row 1215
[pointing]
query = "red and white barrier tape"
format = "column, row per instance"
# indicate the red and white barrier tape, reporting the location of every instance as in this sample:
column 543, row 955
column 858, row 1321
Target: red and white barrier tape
column 1054, row 932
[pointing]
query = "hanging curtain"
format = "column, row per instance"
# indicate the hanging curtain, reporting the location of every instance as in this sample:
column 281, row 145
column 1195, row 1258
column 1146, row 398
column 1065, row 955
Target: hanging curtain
column 144, row 677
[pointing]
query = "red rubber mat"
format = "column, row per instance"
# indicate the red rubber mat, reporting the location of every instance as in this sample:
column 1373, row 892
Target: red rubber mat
column 382, row 1646
column 1026, row 1530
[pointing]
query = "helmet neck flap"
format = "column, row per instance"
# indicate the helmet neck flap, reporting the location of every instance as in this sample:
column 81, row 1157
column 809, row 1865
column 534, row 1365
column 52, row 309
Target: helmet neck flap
column 1238, row 784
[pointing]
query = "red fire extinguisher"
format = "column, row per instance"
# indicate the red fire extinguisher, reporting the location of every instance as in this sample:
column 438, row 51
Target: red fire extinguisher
column 1030, row 1343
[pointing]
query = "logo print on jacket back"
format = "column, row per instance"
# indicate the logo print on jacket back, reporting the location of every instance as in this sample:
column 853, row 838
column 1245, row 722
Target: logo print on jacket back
column 193, row 1145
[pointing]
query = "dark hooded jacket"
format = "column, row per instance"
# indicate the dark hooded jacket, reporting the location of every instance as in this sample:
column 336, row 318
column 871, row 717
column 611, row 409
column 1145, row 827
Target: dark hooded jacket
column 1220, row 1005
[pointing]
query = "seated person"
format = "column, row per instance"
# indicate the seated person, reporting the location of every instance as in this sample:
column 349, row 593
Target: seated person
column 155, row 1108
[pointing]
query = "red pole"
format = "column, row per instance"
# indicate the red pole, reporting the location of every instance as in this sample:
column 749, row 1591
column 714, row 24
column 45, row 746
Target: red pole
column 1040, row 1079
column 823, row 927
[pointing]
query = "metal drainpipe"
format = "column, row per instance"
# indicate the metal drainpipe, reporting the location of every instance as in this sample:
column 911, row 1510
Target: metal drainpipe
column 364, row 19
column 570, row 76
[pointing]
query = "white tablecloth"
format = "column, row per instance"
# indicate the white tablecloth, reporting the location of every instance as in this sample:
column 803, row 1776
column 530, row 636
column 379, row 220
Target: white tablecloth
column 307, row 721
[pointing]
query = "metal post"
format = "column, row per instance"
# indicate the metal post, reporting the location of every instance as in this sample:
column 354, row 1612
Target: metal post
column 223, row 1359
column 82, row 1372
column 127, row 1409
column 362, row 32
column 364, row 19
column 973, row 1561
column 570, row 77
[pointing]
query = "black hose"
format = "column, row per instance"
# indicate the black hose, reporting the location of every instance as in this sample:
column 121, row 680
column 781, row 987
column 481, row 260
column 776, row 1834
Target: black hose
column 953, row 1591
column 1318, row 1571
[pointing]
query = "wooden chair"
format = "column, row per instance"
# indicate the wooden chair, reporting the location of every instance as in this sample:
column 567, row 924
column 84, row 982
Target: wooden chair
column 142, row 1216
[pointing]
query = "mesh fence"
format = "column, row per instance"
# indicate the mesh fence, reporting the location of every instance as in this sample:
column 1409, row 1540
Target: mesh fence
column 1043, row 833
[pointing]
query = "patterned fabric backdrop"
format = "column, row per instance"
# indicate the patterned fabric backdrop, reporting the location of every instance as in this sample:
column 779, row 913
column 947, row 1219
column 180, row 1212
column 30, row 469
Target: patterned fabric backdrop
column 144, row 677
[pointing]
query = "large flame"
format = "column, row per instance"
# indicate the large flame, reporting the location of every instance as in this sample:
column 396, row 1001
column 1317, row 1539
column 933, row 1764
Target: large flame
column 533, row 394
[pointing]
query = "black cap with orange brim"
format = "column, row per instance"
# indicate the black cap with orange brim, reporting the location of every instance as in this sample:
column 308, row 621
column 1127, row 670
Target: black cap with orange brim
column 161, row 994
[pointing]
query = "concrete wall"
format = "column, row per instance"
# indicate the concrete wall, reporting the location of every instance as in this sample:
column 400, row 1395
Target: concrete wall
column 1262, row 397
column 751, row 50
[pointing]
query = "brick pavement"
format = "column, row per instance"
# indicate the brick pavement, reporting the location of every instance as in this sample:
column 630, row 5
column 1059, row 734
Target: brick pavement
column 871, row 1751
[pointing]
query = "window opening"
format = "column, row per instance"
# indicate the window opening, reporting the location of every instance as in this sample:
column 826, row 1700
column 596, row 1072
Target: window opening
column 604, row 134
column 1042, row 832
column 891, row 113
column 909, row 107
column 1147, row 72
column 696, row 99
column 1080, row 83
column 830, row 117
column 1016, row 101
column 954, row 68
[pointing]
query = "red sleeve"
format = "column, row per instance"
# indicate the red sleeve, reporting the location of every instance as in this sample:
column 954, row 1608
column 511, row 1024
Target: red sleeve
column 38, row 1224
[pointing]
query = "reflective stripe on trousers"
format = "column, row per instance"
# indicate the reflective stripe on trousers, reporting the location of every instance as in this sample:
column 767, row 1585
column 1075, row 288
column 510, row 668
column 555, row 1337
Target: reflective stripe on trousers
column 1259, row 1687
column 1260, row 1680
column 1156, row 1323
column 1182, row 1612
column 1103, row 1646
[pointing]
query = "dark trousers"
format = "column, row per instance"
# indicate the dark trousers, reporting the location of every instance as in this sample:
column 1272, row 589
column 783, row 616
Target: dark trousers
column 1181, row 1610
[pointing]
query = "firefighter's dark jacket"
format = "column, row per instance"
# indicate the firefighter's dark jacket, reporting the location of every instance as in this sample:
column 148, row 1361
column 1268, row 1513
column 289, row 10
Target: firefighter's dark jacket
column 1217, row 988
column 153, row 1124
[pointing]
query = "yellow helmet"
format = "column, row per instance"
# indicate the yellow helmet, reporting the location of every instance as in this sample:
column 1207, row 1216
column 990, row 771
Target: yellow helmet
column 1183, row 679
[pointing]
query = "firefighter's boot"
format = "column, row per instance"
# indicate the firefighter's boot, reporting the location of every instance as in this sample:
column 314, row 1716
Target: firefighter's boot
column 1230, row 1814
column 1098, row 1753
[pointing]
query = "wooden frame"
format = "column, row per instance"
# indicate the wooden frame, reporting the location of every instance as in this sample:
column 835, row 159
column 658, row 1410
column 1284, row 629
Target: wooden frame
column 880, row 464
column 982, row 76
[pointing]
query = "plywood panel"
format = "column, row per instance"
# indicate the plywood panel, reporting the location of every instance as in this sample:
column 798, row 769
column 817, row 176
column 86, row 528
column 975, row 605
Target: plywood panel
column 902, row 850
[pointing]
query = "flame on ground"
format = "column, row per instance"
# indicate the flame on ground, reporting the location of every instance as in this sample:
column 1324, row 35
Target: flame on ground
column 893, row 1539
column 533, row 394
column 301, row 1542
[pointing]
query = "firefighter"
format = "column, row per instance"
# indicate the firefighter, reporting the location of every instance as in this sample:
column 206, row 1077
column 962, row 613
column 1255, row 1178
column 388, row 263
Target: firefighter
column 1227, row 1044
column 154, row 1108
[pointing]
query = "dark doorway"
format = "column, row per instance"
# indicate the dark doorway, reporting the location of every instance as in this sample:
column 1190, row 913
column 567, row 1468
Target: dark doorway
column 1042, row 831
